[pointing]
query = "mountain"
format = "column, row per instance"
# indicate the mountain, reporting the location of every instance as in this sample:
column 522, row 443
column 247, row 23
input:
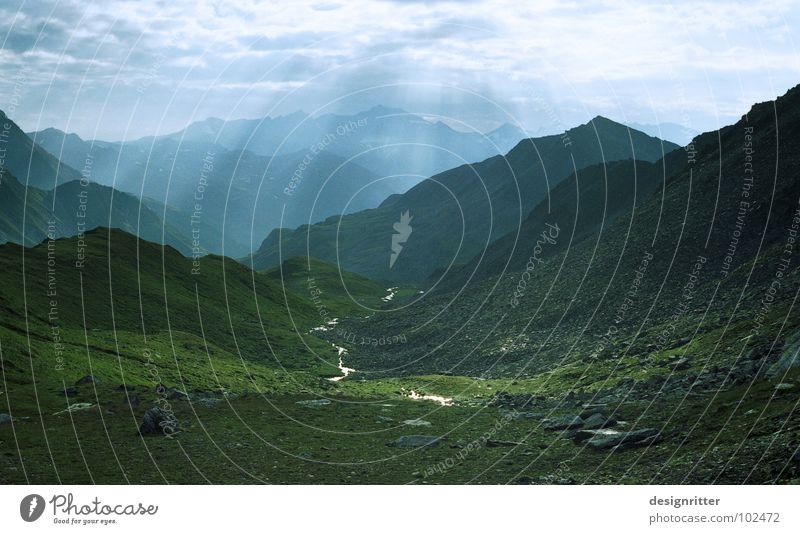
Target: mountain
column 236, row 191
column 392, row 143
column 456, row 214
column 685, row 283
column 677, row 133
column 28, row 161
column 141, row 314
column 31, row 215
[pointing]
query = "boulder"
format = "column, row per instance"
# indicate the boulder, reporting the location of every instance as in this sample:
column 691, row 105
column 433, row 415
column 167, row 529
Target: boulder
column 612, row 439
column 567, row 422
column 5, row 418
column 176, row 394
column 133, row 401
column 158, row 422
column 598, row 420
column 70, row 391
column 414, row 441
column 783, row 386
column 207, row 402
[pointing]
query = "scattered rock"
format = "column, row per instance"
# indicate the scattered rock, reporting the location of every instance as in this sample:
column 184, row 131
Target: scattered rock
column 613, row 439
column 88, row 379
column 783, row 386
column 567, row 422
column 176, row 394
column 314, row 402
column 5, row 418
column 598, row 420
column 157, row 421
column 414, row 441
column 416, row 422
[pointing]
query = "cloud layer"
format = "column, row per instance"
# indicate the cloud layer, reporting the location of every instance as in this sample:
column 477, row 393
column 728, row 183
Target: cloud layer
column 123, row 69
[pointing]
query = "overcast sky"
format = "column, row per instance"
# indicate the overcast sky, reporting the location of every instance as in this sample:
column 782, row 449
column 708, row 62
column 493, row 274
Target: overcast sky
column 124, row 69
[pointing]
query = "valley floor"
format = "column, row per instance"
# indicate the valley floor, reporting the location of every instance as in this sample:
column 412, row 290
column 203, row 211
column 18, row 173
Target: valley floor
column 744, row 435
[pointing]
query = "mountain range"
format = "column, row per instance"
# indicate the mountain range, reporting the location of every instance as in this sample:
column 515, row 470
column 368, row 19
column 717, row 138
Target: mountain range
column 456, row 214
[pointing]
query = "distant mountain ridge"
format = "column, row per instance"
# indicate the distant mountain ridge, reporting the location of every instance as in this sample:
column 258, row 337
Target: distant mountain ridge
column 459, row 212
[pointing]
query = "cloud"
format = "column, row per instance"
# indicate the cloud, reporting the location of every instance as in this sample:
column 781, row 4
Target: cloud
column 251, row 56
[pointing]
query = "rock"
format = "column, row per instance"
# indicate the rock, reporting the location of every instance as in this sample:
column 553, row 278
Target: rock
column 176, row 394
column 157, row 421
column 314, row 402
column 133, row 401
column 790, row 356
column 598, row 420
column 567, row 422
column 383, row 419
column 416, row 422
column 5, row 418
column 796, row 456
column 608, row 439
column 682, row 364
column 88, row 379
column 414, row 441
column 70, row 391
column 783, row 386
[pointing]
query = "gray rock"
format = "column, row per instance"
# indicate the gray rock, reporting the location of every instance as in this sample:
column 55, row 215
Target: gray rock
column 158, row 422
column 133, row 401
column 790, row 356
column 608, row 439
column 414, row 441
column 383, row 419
column 176, row 394
column 416, row 422
column 567, row 422
column 598, row 420
column 70, row 391
column 88, row 379
column 501, row 443
column 783, row 386
column 5, row 418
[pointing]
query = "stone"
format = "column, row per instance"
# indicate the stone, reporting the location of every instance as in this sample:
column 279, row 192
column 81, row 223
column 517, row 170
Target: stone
column 5, row 418
column 158, row 422
column 414, row 441
column 176, row 394
column 70, row 391
column 567, row 422
column 612, row 439
column 133, row 401
column 598, row 420
column 783, row 386
column 383, row 419
column 501, row 443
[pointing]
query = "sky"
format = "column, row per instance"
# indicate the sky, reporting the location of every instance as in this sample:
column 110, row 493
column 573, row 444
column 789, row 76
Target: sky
column 119, row 69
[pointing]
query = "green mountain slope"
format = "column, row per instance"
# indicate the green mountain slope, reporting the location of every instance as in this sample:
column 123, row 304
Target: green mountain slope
column 703, row 271
column 456, row 214
column 28, row 161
